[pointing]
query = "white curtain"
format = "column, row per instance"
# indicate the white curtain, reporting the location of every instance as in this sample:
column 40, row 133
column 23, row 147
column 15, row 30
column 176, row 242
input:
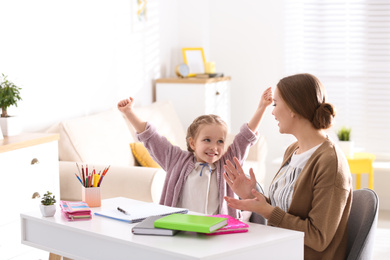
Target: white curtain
column 346, row 44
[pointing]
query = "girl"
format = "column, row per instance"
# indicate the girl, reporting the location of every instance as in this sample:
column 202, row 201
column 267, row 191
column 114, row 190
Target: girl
column 312, row 191
column 194, row 178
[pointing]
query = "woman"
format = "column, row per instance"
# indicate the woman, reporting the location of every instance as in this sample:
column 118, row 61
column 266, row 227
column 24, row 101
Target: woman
column 312, row 191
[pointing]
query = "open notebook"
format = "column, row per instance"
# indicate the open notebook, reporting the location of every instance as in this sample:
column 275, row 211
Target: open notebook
column 138, row 211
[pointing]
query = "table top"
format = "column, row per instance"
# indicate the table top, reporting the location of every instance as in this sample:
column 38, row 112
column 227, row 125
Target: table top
column 184, row 243
column 362, row 156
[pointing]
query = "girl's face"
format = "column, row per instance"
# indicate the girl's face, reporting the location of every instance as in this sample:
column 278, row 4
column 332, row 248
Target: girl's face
column 209, row 143
column 282, row 113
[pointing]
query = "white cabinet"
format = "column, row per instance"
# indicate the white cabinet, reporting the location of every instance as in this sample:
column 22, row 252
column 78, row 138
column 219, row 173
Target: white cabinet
column 193, row 97
column 28, row 164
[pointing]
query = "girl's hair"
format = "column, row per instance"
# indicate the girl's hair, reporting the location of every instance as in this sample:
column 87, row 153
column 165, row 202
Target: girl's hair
column 193, row 129
column 305, row 95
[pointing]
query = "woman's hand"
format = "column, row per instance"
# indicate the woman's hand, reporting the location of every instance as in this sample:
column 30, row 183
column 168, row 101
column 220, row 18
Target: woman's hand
column 238, row 181
column 258, row 204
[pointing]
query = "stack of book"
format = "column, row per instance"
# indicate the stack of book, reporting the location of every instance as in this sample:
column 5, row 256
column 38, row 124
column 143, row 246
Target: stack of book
column 75, row 210
column 233, row 226
column 171, row 224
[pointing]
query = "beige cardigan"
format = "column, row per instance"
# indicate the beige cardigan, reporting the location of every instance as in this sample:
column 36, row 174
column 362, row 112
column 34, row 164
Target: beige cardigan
column 320, row 204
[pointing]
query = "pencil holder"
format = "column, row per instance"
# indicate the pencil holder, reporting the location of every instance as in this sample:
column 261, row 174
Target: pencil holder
column 92, row 196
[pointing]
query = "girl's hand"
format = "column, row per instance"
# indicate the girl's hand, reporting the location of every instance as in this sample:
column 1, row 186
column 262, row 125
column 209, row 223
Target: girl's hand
column 266, row 98
column 238, row 181
column 258, row 204
column 126, row 105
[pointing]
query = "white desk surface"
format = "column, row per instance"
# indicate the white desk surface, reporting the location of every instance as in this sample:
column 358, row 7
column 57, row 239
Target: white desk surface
column 103, row 238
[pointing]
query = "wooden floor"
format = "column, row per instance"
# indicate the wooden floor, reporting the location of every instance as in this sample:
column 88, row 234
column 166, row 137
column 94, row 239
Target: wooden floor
column 381, row 249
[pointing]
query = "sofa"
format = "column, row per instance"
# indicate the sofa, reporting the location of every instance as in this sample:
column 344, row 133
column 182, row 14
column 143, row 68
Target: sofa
column 107, row 139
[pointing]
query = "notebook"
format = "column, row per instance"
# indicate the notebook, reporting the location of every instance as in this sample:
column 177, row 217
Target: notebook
column 233, row 226
column 75, row 210
column 193, row 223
column 138, row 211
column 146, row 227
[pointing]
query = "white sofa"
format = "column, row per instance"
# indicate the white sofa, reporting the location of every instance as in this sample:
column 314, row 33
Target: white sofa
column 103, row 139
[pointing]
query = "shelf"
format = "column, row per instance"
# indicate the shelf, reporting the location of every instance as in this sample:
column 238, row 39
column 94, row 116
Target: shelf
column 192, row 80
column 10, row 143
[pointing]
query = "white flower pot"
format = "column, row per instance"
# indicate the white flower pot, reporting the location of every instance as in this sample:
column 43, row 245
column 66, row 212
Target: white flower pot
column 48, row 211
column 11, row 125
column 347, row 147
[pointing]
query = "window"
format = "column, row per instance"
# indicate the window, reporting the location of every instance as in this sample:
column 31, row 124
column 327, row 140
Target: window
column 346, row 44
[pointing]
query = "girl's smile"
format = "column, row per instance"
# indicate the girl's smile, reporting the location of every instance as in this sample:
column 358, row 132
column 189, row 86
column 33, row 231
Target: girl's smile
column 209, row 144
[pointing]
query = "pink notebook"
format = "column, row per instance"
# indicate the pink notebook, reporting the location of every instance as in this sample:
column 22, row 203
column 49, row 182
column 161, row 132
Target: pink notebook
column 75, row 210
column 233, row 226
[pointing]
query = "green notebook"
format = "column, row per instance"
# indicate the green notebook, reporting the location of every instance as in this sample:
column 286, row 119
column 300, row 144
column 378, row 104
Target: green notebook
column 193, row 223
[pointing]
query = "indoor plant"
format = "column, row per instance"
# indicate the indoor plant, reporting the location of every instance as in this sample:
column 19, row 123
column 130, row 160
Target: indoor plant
column 9, row 96
column 48, row 207
column 345, row 143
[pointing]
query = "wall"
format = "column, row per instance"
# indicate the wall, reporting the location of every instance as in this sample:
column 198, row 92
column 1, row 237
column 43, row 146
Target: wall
column 75, row 58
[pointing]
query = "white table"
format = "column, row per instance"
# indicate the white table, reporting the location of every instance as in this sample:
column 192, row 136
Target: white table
column 103, row 238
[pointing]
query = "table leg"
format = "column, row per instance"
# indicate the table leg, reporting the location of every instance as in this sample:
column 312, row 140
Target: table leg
column 371, row 179
column 54, row 257
column 57, row 257
column 358, row 181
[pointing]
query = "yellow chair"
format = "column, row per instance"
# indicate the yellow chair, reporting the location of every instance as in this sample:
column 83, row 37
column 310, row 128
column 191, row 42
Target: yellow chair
column 361, row 163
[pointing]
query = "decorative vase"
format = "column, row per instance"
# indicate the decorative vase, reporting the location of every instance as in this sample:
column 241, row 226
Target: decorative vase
column 347, row 147
column 48, row 211
column 11, row 125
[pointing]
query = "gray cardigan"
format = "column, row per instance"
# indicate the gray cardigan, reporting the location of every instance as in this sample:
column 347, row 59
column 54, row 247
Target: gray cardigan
column 179, row 163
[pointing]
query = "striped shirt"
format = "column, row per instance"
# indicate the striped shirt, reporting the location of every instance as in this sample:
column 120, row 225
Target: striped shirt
column 282, row 188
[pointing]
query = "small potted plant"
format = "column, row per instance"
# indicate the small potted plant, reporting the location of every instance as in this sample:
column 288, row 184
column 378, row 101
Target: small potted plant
column 48, row 207
column 345, row 143
column 9, row 96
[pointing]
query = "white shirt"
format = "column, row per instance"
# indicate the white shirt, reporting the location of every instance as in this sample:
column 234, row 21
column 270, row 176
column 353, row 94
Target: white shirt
column 200, row 192
column 281, row 189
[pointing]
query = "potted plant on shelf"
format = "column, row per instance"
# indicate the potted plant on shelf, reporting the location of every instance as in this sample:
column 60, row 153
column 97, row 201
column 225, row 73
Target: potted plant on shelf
column 9, row 96
column 345, row 143
column 48, row 207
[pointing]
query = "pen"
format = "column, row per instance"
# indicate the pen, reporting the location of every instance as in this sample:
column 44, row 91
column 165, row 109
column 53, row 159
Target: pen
column 82, row 170
column 78, row 169
column 100, row 180
column 123, row 211
column 79, row 179
column 95, row 180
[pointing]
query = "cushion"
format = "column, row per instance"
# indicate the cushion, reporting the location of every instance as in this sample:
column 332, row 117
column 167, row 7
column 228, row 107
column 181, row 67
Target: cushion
column 142, row 155
column 164, row 117
column 100, row 138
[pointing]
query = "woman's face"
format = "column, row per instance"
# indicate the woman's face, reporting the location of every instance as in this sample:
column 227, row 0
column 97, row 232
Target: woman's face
column 282, row 113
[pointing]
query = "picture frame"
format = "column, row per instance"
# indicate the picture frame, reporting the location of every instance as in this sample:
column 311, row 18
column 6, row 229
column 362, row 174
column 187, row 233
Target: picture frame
column 194, row 58
column 139, row 14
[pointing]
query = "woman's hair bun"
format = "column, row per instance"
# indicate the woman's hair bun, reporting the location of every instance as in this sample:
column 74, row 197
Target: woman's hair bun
column 323, row 117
